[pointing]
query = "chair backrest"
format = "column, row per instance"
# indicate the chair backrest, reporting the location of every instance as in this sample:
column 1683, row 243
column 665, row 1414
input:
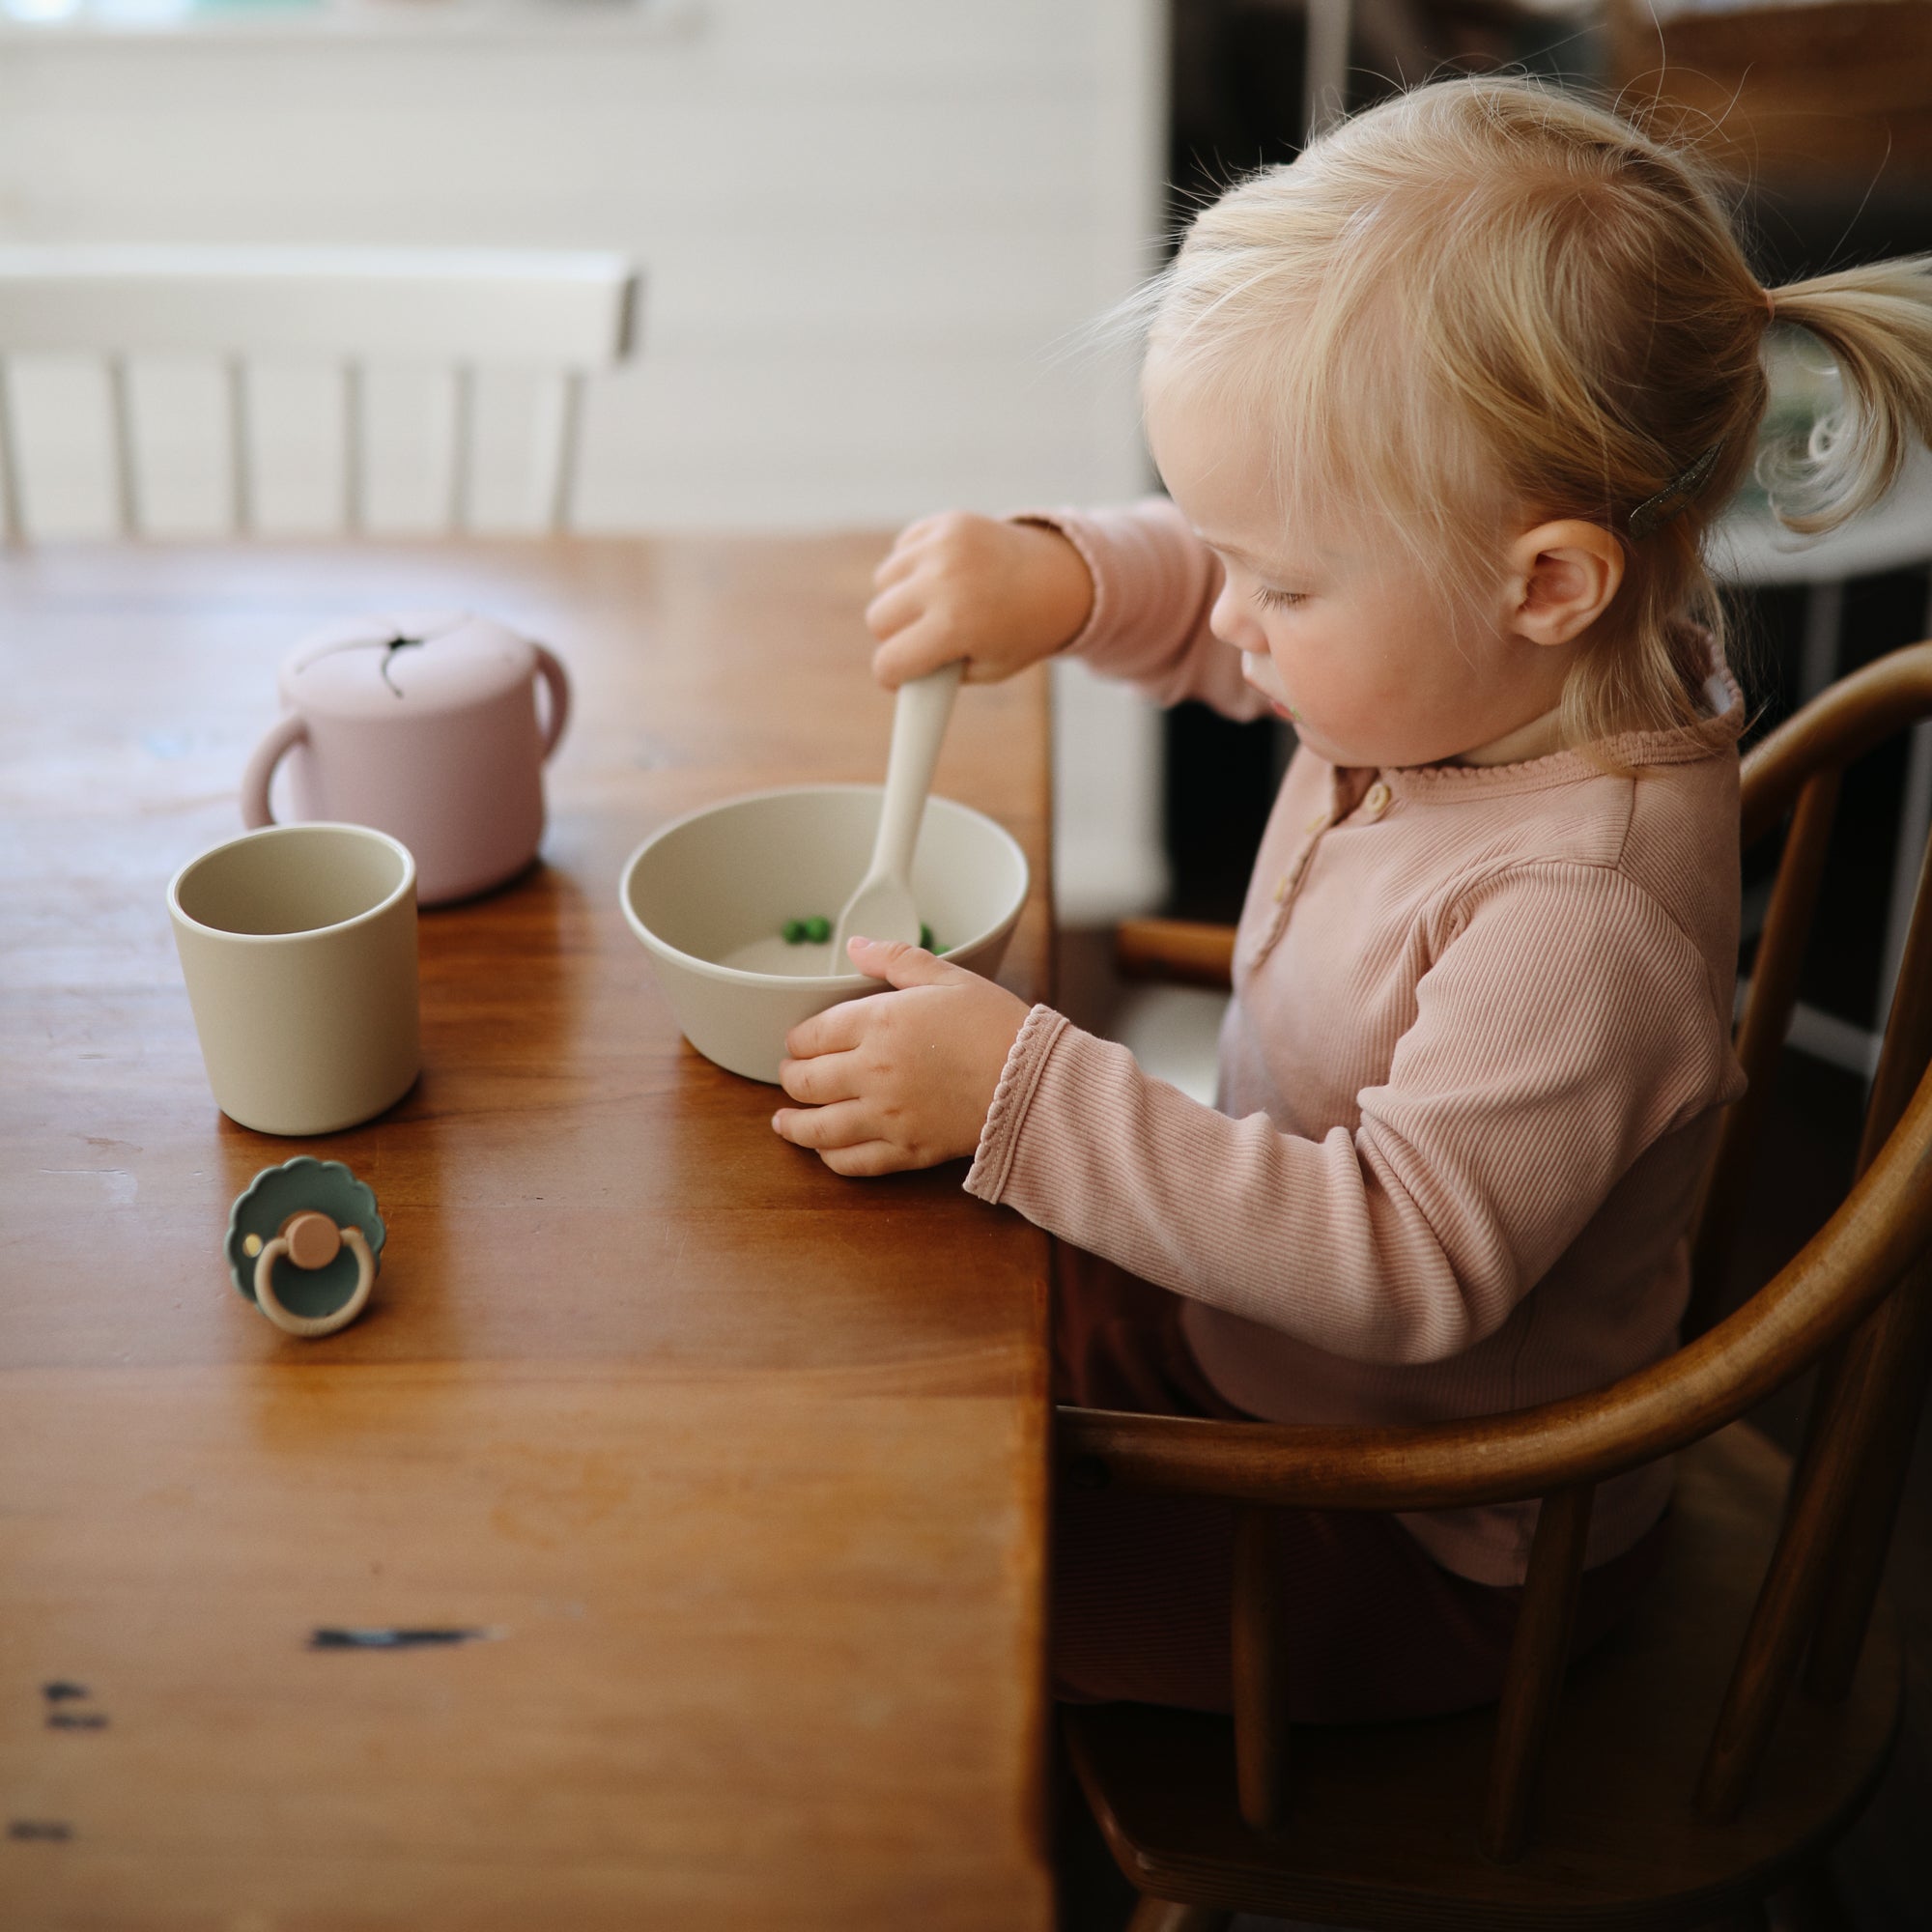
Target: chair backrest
column 1845, row 1489
column 1752, row 551
column 463, row 309
column 1856, row 1299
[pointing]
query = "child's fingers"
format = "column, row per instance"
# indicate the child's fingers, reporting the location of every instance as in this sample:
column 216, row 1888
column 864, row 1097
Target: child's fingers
column 899, row 563
column 845, row 1123
column 898, row 964
column 867, row 1159
column 921, row 646
column 894, row 609
column 837, row 1030
column 818, row 1082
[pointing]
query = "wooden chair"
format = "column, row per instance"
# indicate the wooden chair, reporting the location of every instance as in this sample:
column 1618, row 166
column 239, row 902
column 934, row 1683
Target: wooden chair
column 567, row 314
column 1714, row 1747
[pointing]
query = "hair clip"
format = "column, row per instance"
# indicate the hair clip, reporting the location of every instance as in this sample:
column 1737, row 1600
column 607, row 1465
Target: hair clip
column 1656, row 510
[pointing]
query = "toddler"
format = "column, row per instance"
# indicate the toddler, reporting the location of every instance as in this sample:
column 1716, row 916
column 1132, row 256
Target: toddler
column 1443, row 410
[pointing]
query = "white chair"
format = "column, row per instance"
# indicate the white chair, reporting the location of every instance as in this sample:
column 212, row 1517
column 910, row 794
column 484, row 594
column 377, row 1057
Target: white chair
column 568, row 314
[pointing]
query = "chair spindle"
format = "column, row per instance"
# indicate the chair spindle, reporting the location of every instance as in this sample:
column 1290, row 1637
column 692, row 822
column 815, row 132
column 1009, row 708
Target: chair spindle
column 353, row 462
column 1886, row 1356
column 127, row 484
column 1261, row 1676
column 1825, row 1486
column 1914, row 823
column 1539, row 1653
column 241, row 448
column 1768, row 1004
column 1901, row 1346
column 1818, row 648
column 12, row 514
column 1908, row 1029
column 569, row 429
column 462, row 439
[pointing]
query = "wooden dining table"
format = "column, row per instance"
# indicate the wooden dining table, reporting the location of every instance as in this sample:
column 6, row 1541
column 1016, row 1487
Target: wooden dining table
column 665, row 1545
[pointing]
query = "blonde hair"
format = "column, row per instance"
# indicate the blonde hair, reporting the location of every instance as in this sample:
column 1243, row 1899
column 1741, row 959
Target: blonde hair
column 1485, row 304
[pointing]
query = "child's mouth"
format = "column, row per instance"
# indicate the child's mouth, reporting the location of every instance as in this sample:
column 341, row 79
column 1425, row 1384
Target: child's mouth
column 1276, row 704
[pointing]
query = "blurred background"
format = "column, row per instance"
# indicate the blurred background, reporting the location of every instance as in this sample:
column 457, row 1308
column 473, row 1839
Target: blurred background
column 872, row 233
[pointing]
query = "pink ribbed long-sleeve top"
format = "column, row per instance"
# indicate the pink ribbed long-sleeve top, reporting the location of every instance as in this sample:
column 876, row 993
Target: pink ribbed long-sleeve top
column 1469, row 1079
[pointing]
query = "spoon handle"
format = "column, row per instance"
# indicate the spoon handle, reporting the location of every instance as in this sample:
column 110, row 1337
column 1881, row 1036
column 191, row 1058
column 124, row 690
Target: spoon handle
column 920, row 717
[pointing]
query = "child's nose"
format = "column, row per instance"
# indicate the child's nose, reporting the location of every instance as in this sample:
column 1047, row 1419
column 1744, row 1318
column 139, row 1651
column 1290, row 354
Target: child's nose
column 1232, row 620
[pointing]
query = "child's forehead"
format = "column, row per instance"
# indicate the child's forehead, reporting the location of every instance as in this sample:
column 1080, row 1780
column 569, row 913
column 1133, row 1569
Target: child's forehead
column 1225, row 423
column 1244, row 494
column 1201, row 433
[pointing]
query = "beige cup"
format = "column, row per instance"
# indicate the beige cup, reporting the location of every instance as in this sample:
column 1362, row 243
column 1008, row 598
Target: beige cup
column 299, row 945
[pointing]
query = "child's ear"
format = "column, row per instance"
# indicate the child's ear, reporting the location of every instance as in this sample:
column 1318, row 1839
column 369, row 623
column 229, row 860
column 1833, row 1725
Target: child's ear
column 1559, row 579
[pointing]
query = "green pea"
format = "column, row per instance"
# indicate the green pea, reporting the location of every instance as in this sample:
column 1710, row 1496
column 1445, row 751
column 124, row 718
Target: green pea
column 926, row 935
column 818, row 929
column 794, row 931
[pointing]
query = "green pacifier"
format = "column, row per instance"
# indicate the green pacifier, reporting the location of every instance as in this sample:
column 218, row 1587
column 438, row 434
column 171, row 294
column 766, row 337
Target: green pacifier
column 305, row 1244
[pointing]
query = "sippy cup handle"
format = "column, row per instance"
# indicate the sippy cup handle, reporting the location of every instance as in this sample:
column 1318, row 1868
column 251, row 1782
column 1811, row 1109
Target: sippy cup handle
column 557, row 681
column 288, row 732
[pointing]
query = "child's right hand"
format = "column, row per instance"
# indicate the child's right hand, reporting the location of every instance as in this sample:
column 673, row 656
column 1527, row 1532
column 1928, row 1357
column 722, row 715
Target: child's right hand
column 999, row 595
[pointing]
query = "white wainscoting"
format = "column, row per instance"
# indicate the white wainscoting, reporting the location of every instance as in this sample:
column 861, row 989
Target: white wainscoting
column 870, row 229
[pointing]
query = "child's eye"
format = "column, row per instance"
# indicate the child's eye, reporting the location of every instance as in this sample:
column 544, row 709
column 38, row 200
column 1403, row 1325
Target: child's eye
column 1276, row 600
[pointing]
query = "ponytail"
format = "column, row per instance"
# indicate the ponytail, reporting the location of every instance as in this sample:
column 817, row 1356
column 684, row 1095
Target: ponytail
column 1876, row 323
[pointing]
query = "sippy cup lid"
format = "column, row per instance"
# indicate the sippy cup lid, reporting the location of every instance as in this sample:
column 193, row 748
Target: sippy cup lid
column 406, row 664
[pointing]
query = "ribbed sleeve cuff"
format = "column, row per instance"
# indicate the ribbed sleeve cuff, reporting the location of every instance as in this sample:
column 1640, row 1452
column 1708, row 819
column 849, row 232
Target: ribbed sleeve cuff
column 1000, row 1137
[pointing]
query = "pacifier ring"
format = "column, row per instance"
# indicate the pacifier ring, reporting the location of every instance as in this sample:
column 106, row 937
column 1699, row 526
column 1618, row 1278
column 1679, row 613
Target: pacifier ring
column 310, row 1241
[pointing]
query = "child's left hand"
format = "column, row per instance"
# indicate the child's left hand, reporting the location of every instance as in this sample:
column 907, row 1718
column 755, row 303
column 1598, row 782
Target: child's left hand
column 903, row 1078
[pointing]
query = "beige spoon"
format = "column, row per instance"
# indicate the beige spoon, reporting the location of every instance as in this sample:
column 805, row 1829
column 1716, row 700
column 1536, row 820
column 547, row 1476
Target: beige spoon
column 883, row 905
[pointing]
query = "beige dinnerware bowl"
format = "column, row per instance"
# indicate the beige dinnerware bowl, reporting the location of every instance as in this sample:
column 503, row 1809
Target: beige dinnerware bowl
column 728, row 877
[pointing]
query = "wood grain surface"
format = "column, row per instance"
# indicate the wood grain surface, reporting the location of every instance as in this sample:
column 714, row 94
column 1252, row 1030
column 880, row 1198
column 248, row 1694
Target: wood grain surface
column 1824, row 98
column 724, row 1476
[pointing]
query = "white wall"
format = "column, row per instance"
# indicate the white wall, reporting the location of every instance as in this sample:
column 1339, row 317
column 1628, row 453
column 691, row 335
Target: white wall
column 866, row 224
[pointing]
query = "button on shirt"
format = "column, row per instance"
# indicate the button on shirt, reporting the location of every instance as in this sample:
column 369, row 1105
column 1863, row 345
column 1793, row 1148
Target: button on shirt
column 1356, row 798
